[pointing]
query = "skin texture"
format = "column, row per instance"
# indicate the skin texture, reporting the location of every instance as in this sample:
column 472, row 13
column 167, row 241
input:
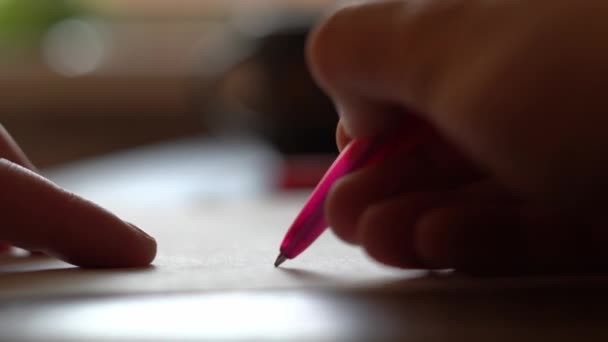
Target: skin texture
column 517, row 92
column 39, row 216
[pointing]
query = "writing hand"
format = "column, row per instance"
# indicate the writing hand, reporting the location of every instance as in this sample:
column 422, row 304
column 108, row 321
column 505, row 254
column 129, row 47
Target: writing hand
column 517, row 91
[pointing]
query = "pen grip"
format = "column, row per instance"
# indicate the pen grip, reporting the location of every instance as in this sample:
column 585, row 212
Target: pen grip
column 311, row 223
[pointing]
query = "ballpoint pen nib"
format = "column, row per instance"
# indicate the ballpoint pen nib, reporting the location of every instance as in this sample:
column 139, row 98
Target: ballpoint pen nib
column 280, row 259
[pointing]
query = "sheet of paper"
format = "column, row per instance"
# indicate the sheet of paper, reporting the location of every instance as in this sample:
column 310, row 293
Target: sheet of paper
column 218, row 225
column 208, row 245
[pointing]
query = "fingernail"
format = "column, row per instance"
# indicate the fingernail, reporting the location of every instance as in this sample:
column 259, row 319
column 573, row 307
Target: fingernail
column 136, row 228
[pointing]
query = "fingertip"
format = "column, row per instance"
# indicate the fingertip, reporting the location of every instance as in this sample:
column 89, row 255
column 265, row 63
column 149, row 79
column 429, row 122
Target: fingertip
column 143, row 250
column 136, row 249
column 128, row 247
column 110, row 242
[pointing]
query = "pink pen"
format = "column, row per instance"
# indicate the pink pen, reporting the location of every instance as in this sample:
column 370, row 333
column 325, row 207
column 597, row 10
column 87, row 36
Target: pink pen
column 310, row 223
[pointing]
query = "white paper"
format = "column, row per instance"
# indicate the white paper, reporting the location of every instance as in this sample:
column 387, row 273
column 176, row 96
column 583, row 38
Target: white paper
column 208, row 245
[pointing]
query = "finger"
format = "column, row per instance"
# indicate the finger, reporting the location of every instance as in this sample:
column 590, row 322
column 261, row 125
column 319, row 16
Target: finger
column 386, row 232
column 38, row 215
column 352, row 194
column 10, row 150
column 481, row 239
column 386, row 228
column 490, row 239
column 406, row 171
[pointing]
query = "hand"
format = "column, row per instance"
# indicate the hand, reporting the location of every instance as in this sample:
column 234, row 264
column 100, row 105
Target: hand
column 517, row 92
column 37, row 215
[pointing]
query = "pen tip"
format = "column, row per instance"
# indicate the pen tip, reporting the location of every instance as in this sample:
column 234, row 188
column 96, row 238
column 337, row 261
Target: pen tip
column 280, row 259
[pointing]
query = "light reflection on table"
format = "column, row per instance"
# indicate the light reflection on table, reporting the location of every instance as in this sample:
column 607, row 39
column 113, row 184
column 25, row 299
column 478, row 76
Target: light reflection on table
column 524, row 314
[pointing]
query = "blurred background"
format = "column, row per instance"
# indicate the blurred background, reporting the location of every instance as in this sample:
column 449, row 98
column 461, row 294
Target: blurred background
column 80, row 79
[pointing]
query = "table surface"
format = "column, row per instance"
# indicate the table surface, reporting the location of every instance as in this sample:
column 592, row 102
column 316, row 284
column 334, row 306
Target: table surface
column 209, row 285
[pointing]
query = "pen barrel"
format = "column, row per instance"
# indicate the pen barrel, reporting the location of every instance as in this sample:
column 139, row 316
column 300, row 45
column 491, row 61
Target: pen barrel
column 311, row 222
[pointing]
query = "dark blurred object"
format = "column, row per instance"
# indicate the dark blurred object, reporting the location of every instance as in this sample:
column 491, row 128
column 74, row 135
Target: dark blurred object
column 261, row 85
